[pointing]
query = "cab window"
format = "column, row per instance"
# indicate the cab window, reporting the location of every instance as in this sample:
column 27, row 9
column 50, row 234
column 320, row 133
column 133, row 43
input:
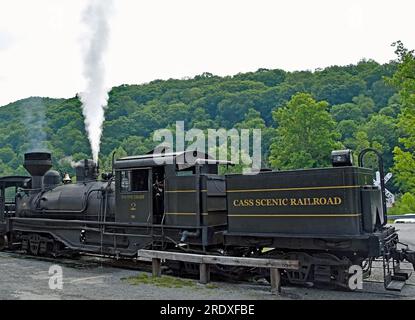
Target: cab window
column 139, row 180
column 134, row 180
column 125, row 181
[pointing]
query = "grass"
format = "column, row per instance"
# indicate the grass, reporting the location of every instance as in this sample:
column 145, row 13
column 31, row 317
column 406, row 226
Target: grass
column 211, row 286
column 394, row 213
column 163, row 281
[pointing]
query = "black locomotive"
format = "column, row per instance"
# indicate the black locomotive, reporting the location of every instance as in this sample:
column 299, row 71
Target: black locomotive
column 329, row 219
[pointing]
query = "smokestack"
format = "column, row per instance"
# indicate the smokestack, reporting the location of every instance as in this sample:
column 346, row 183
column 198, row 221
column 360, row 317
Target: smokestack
column 37, row 164
column 86, row 170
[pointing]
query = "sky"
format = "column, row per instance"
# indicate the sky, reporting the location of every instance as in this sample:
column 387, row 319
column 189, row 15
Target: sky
column 41, row 42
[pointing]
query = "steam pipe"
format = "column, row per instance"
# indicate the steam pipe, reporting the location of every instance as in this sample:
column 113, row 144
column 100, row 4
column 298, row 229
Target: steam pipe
column 112, row 162
column 186, row 234
column 107, row 188
column 91, row 222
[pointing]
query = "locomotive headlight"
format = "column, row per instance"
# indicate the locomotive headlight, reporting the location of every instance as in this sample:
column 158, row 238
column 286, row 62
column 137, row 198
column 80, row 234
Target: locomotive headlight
column 340, row 158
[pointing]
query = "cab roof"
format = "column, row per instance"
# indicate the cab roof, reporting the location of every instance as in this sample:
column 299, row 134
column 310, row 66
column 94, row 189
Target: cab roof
column 183, row 160
column 13, row 181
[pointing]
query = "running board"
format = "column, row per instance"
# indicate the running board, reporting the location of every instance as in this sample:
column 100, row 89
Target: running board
column 395, row 285
column 397, row 281
column 394, row 277
column 401, row 275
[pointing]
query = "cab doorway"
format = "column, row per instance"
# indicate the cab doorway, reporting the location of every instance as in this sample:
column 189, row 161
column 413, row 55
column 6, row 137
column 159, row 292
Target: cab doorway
column 158, row 194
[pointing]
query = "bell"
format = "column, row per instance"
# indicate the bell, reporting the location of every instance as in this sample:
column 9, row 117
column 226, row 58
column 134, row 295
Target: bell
column 67, row 179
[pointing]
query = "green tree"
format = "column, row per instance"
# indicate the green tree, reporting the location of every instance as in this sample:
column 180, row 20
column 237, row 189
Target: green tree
column 7, row 154
column 253, row 120
column 305, row 135
column 347, row 111
column 134, row 112
column 347, row 128
column 382, row 135
column 405, row 204
column 404, row 155
column 365, row 104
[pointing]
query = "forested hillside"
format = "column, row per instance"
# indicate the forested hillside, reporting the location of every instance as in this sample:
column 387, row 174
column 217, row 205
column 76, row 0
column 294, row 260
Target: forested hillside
column 363, row 111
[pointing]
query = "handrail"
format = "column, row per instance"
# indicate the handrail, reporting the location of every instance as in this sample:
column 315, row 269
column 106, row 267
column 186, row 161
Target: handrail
column 382, row 178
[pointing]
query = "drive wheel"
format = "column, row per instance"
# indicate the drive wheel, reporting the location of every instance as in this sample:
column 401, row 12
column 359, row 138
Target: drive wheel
column 34, row 244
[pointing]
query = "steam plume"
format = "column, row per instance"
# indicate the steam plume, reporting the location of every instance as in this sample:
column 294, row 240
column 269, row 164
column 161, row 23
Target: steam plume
column 95, row 96
column 34, row 117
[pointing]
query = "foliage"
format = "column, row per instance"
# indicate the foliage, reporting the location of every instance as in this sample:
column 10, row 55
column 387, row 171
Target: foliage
column 405, row 204
column 305, row 135
column 404, row 154
column 355, row 94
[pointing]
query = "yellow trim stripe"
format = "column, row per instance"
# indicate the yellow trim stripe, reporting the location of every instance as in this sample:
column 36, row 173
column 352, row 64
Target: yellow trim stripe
column 177, row 191
column 295, row 189
column 269, row 215
column 292, row 215
column 185, row 213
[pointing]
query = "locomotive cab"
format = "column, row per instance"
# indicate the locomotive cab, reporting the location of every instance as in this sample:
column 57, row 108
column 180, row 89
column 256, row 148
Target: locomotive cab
column 180, row 191
column 8, row 189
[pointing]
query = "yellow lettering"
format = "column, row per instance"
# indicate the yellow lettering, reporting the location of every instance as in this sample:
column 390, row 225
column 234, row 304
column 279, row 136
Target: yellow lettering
column 268, row 202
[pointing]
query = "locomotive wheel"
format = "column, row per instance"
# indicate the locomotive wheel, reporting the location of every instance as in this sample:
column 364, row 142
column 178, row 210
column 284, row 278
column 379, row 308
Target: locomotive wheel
column 318, row 269
column 38, row 245
column 34, row 244
column 302, row 275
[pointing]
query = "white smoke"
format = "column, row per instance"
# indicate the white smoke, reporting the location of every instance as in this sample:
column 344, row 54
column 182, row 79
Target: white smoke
column 34, row 117
column 95, row 96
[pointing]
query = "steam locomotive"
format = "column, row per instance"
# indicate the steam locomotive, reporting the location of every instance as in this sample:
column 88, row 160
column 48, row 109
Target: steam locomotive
column 327, row 218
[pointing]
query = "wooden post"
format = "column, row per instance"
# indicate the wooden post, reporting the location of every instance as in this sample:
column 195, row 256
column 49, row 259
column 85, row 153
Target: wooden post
column 204, row 273
column 275, row 281
column 156, row 264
